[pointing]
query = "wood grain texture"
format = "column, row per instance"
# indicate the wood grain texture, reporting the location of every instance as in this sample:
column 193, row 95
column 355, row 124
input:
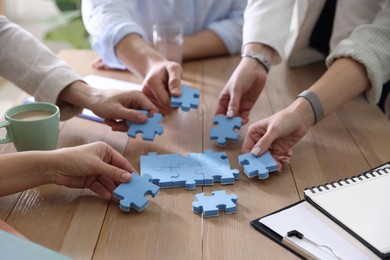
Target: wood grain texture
column 79, row 224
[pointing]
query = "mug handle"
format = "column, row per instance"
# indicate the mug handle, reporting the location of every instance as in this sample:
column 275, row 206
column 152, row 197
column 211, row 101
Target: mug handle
column 7, row 138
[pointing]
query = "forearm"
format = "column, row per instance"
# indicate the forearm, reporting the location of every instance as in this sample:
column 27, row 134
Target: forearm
column 343, row 81
column 268, row 52
column 79, row 94
column 203, row 44
column 24, row 170
column 137, row 55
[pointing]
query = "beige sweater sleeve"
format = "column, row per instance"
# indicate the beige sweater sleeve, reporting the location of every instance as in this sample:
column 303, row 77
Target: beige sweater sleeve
column 33, row 67
column 369, row 44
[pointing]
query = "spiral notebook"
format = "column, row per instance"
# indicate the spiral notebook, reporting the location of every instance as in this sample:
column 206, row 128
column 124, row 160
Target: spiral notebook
column 347, row 219
column 361, row 205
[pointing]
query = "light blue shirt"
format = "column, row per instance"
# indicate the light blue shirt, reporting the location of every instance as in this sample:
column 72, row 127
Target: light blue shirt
column 109, row 21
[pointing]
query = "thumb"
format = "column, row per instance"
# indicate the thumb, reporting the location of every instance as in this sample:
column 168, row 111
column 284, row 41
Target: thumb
column 174, row 81
column 112, row 172
column 263, row 144
column 234, row 105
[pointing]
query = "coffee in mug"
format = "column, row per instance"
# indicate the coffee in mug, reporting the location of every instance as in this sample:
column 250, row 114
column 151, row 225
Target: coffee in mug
column 33, row 126
column 32, row 115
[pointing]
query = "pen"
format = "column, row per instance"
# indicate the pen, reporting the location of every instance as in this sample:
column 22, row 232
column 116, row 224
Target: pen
column 289, row 243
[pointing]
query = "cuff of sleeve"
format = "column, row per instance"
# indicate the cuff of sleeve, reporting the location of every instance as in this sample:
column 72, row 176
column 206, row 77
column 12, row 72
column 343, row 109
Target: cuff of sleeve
column 360, row 53
column 105, row 46
column 232, row 38
column 51, row 87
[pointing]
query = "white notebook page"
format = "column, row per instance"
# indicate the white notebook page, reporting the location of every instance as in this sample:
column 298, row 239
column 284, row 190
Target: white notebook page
column 318, row 228
column 362, row 206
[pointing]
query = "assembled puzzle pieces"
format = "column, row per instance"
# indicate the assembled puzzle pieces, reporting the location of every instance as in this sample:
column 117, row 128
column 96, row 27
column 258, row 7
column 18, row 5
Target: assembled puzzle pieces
column 215, row 167
column 260, row 166
column 211, row 205
column 188, row 99
column 196, row 169
column 148, row 129
column 132, row 194
column 225, row 129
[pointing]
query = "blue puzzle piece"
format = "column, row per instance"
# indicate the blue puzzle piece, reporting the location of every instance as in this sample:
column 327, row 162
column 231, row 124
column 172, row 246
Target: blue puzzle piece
column 196, row 169
column 210, row 158
column 225, row 129
column 260, row 166
column 187, row 177
column 188, row 99
column 161, row 177
column 148, row 129
column 132, row 194
column 222, row 174
column 211, row 205
column 165, row 169
column 215, row 166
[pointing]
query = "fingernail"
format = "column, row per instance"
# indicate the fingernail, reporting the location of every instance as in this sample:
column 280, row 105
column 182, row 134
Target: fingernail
column 125, row 177
column 229, row 113
column 256, row 150
column 286, row 161
column 175, row 91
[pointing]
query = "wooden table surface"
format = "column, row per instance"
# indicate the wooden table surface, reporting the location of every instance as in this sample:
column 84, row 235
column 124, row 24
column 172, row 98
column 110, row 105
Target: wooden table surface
column 79, row 224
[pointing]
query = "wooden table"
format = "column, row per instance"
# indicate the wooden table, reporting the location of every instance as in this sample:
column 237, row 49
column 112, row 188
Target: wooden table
column 79, row 224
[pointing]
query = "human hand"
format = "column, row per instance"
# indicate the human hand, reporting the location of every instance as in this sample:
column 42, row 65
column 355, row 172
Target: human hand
column 117, row 106
column 279, row 132
column 94, row 166
column 242, row 90
column 161, row 82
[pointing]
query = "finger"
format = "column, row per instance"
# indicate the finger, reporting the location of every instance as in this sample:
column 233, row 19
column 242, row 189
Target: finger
column 132, row 115
column 144, row 102
column 118, row 162
column 263, row 144
column 119, row 126
column 282, row 158
column 161, row 94
column 101, row 190
column 244, row 117
column 174, row 80
column 234, row 104
column 223, row 102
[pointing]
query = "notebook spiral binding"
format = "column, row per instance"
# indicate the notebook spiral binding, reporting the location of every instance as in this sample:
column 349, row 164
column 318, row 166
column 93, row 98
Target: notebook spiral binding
column 380, row 171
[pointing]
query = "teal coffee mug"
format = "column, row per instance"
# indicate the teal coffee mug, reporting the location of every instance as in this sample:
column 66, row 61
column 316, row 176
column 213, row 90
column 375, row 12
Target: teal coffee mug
column 33, row 126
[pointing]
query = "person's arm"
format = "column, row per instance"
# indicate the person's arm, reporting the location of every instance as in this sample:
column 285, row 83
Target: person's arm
column 202, row 45
column 162, row 78
column 4, row 226
column 108, row 23
column 122, row 44
column 261, row 19
column 115, row 106
column 361, row 63
column 95, row 166
column 221, row 36
column 343, row 81
column 33, row 67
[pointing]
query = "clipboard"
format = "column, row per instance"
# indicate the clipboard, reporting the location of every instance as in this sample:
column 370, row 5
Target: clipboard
column 275, row 236
column 342, row 201
column 337, row 239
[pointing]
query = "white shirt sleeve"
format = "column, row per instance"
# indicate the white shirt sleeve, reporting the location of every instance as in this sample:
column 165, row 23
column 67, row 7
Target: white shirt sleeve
column 268, row 22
